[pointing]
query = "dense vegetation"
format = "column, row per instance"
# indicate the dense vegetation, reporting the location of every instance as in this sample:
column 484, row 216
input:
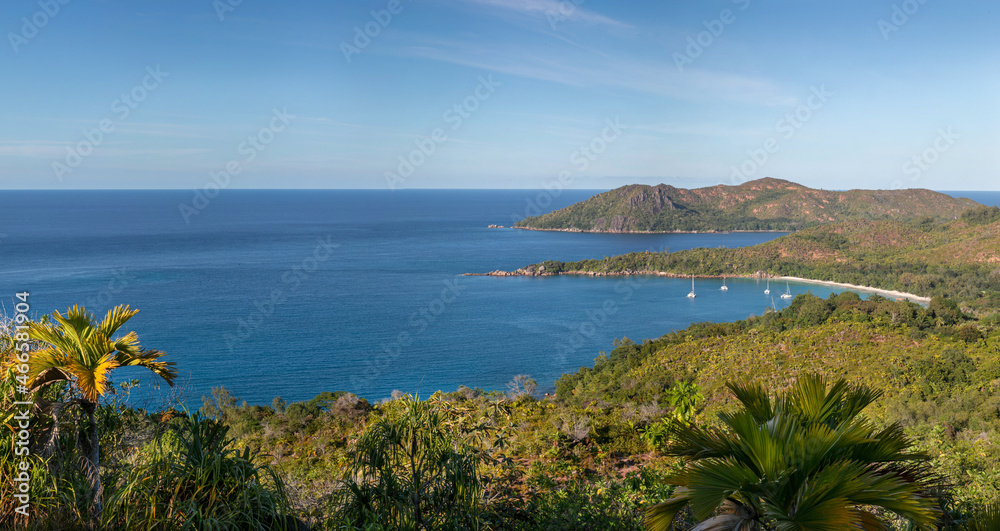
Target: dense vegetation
column 596, row 455
column 763, row 204
column 959, row 259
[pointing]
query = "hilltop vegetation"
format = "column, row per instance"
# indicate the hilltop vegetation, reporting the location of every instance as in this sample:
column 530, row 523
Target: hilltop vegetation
column 958, row 259
column 762, row 204
column 593, row 456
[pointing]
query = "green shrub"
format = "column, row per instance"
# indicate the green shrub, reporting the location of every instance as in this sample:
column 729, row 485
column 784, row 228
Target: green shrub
column 192, row 477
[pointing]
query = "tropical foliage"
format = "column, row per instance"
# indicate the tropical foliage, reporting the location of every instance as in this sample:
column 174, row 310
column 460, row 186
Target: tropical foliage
column 412, row 469
column 596, row 454
column 807, row 459
column 78, row 350
column 192, row 477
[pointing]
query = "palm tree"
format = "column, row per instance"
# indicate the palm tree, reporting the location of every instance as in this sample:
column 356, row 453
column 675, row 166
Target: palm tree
column 417, row 469
column 78, row 350
column 985, row 519
column 806, row 460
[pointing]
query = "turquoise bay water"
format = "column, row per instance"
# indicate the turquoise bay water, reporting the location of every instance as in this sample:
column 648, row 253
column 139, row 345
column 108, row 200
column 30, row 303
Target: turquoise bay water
column 291, row 293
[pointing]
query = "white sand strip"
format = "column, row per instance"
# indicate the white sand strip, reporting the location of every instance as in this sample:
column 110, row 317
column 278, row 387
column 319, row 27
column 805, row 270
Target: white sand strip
column 884, row 292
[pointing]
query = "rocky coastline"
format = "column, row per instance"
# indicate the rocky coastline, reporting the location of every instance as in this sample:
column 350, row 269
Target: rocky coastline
column 640, row 231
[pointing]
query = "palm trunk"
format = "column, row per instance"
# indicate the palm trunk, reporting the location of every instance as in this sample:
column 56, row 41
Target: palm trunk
column 416, row 482
column 50, row 445
column 94, row 456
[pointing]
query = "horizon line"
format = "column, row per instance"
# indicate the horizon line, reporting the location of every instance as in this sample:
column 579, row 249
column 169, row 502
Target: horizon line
column 426, row 189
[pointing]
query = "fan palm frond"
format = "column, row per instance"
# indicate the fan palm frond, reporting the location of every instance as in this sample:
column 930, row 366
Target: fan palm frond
column 806, row 459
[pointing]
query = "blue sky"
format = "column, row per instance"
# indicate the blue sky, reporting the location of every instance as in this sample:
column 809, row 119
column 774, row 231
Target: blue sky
column 597, row 94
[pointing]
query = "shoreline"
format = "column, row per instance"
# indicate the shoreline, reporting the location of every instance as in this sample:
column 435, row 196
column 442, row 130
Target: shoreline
column 884, row 292
column 892, row 294
column 637, row 231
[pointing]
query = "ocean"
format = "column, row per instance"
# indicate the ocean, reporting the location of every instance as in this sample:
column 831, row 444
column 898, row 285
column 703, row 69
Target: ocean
column 292, row 293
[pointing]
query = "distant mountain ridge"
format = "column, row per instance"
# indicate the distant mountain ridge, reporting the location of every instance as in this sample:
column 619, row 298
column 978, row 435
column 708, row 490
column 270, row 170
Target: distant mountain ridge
column 762, row 204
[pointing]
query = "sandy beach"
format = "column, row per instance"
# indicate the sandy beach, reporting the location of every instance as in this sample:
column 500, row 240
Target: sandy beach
column 530, row 272
column 884, row 292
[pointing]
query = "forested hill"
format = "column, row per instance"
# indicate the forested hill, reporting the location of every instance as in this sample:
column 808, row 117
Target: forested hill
column 957, row 259
column 763, row 204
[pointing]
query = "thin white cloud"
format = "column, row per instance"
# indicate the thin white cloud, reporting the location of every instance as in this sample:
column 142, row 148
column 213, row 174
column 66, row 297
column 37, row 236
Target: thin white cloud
column 32, row 148
column 700, row 129
column 56, row 150
column 164, row 129
column 651, row 77
column 554, row 10
column 145, row 152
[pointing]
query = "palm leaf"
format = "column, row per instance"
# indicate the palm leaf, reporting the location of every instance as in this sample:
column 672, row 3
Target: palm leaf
column 80, row 350
column 115, row 319
column 807, row 459
column 128, row 343
column 45, row 367
column 92, row 380
column 870, row 522
column 857, row 399
column 811, row 399
column 148, row 359
column 660, row 516
column 49, row 334
column 696, row 442
column 754, row 399
column 710, row 482
column 988, row 519
column 76, row 321
column 832, row 514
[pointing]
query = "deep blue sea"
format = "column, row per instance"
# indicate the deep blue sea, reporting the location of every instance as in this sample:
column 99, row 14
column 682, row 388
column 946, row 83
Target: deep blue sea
column 291, row 293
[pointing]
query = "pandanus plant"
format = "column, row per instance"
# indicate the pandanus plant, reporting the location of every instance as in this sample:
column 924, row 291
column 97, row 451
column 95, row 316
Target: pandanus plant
column 805, row 460
column 78, row 350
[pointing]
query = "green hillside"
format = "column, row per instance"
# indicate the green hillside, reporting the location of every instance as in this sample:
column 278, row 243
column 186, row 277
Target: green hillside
column 957, row 259
column 594, row 455
column 763, row 204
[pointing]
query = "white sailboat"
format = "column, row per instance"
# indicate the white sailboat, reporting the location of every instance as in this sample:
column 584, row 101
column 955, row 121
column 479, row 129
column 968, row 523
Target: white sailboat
column 788, row 292
column 692, row 295
column 767, row 290
column 724, row 287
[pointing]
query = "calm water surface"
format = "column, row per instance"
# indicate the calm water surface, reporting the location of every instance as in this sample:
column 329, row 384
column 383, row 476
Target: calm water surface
column 291, row 293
